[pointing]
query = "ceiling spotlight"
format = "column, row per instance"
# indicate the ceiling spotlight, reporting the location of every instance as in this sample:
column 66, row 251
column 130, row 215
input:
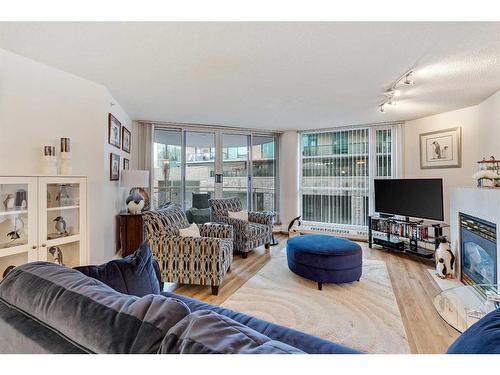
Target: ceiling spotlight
column 397, row 93
column 408, row 79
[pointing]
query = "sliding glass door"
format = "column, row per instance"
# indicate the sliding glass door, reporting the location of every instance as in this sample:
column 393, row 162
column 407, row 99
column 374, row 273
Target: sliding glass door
column 167, row 162
column 235, row 160
column 190, row 161
column 199, row 166
column 264, row 172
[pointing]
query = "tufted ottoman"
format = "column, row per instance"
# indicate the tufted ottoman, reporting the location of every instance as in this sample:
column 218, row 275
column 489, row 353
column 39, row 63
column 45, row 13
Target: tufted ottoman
column 325, row 259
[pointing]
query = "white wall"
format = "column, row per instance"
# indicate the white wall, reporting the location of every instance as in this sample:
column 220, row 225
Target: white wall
column 480, row 138
column 39, row 105
column 289, row 177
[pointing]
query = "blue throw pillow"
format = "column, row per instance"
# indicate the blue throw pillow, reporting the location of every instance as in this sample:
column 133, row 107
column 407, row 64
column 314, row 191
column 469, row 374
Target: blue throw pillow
column 137, row 274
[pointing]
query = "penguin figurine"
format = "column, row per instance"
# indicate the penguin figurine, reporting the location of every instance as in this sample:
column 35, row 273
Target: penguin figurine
column 294, row 227
column 441, row 270
column 60, row 225
column 445, row 259
column 135, row 203
column 57, row 254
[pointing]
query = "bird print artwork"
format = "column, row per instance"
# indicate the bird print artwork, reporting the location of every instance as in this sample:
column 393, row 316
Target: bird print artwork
column 61, row 226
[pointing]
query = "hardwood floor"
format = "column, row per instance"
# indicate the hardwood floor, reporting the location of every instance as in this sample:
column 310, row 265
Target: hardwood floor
column 413, row 286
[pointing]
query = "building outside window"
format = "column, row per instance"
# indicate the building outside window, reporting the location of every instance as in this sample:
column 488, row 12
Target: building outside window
column 338, row 168
column 185, row 162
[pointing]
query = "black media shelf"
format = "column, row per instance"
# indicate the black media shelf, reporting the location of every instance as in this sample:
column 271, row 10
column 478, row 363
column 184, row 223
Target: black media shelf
column 404, row 236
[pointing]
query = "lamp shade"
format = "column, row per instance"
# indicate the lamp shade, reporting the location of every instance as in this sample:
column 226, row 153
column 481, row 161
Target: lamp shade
column 135, row 178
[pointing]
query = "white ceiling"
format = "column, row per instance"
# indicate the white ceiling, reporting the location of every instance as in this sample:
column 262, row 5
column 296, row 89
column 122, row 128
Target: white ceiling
column 271, row 75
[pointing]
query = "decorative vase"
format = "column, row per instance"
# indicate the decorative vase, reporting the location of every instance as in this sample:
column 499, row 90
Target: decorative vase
column 135, row 202
column 49, row 164
column 66, row 167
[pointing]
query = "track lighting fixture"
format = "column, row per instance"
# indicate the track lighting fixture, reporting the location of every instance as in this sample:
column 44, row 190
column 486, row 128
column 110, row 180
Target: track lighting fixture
column 393, row 91
column 408, row 79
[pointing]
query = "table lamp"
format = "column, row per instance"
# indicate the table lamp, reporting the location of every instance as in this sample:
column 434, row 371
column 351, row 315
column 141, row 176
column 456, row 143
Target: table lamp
column 136, row 181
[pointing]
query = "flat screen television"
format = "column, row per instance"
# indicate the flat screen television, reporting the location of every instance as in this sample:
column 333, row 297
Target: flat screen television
column 420, row 198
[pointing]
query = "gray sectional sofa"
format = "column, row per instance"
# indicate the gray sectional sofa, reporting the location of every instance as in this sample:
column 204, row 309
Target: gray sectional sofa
column 47, row 308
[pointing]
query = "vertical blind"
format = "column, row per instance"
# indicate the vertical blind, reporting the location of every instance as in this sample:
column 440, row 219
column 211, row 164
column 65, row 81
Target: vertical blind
column 337, row 173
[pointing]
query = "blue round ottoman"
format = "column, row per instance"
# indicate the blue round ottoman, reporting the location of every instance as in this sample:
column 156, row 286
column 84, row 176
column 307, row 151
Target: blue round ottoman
column 325, row 259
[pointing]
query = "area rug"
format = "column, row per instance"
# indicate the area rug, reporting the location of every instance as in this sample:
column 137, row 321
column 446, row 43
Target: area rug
column 362, row 315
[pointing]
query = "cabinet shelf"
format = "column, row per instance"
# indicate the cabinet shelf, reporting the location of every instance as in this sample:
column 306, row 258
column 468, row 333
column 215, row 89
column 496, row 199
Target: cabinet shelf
column 13, row 212
column 8, row 251
column 62, row 208
column 63, row 240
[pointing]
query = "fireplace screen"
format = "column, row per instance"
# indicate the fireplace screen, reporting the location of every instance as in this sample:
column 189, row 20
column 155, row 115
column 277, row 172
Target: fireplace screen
column 478, row 250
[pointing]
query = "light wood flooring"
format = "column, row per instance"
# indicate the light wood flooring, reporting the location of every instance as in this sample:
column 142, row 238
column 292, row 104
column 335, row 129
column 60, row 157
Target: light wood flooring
column 413, row 286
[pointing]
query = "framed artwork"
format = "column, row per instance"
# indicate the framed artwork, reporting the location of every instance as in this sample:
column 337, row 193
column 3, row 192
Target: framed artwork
column 114, row 167
column 126, row 164
column 126, row 139
column 114, row 131
column 441, row 149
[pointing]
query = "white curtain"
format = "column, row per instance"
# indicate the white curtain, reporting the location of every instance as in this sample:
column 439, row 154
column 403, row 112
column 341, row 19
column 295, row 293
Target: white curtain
column 144, row 154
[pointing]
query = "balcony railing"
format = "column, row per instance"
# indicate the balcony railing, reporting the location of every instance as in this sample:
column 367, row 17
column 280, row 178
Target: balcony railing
column 358, row 148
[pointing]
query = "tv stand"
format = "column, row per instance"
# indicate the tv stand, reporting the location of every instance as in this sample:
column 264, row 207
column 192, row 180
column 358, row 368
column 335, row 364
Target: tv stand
column 412, row 237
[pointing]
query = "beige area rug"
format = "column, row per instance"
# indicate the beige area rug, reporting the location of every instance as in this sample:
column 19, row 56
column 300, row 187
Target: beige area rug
column 362, row 315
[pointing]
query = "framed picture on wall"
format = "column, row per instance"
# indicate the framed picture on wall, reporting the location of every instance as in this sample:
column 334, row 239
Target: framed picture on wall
column 441, row 149
column 114, row 131
column 126, row 139
column 114, row 167
column 126, row 164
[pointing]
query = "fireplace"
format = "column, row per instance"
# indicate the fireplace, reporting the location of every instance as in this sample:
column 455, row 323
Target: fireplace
column 478, row 250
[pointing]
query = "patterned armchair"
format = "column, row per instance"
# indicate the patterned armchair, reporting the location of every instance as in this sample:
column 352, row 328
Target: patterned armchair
column 201, row 260
column 257, row 231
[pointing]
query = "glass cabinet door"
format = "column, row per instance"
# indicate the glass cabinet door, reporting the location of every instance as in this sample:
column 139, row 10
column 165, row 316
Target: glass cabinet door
column 61, row 219
column 18, row 233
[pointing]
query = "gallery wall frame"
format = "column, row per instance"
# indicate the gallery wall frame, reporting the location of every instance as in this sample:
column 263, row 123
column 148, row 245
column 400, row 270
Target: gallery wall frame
column 441, row 149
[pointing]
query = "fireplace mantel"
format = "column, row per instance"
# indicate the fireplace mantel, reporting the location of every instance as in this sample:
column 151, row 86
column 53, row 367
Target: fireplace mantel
column 483, row 203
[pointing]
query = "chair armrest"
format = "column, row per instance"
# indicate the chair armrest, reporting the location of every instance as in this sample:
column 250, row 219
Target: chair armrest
column 238, row 225
column 265, row 217
column 161, row 243
column 216, row 230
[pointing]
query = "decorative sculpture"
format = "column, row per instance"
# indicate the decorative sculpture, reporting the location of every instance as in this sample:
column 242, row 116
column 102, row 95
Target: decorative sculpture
column 7, row 270
column 445, row 259
column 61, row 226
column 135, row 202
column 15, row 234
column 9, row 202
column 56, row 252
column 489, row 171
column 294, row 227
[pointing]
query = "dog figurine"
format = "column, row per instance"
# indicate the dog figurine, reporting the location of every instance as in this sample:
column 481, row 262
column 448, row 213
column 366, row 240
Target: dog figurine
column 445, row 259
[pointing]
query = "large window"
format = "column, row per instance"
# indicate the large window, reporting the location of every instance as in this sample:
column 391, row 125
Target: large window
column 187, row 160
column 338, row 168
column 265, row 173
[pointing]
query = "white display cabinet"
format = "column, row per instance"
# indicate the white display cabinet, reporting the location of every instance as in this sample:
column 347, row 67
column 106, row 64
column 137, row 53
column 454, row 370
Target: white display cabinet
column 38, row 214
